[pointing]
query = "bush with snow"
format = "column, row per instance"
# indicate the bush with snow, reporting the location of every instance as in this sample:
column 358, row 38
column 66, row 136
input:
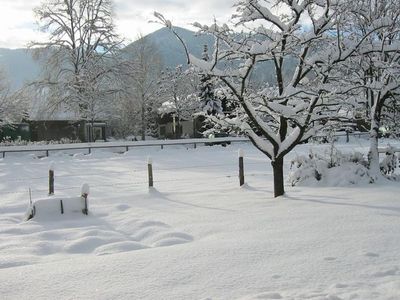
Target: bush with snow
column 8, row 141
column 390, row 163
column 336, row 169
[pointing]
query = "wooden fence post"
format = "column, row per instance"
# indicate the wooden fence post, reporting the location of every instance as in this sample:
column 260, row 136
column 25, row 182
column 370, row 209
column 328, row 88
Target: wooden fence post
column 150, row 170
column 241, row 167
column 84, row 194
column 51, row 179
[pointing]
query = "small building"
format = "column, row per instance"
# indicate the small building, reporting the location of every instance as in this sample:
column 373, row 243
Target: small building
column 55, row 130
column 47, row 130
column 174, row 125
column 170, row 128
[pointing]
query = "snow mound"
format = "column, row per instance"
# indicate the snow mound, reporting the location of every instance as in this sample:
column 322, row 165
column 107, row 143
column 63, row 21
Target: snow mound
column 119, row 247
column 263, row 296
column 53, row 208
column 50, row 238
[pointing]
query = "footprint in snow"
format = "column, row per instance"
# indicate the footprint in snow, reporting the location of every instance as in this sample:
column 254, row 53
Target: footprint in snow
column 333, row 297
column 340, row 285
column 391, row 272
column 269, row 296
column 371, row 254
column 5, row 265
column 329, row 258
column 122, row 207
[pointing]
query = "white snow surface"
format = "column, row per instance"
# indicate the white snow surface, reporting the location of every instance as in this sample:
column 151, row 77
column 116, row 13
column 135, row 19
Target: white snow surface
column 196, row 234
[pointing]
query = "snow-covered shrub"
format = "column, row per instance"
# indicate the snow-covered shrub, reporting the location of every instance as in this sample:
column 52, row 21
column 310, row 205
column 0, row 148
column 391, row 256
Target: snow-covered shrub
column 306, row 169
column 389, row 163
column 335, row 169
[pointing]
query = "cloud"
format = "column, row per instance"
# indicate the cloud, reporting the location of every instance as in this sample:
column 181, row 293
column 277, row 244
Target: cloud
column 17, row 23
column 133, row 18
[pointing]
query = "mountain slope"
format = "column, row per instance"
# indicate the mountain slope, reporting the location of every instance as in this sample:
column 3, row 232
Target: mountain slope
column 20, row 67
column 171, row 50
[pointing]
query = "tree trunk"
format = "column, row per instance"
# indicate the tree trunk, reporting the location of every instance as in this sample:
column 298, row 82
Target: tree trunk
column 178, row 129
column 143, row 116
column 91, row 139
column 277, row 167
column 373, row 154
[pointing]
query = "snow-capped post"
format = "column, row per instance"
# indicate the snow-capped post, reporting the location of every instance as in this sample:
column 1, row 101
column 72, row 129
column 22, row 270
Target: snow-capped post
column 84, row 194
column 241, row 167
column 150, row 170
column 51, row 178
column 347, row 134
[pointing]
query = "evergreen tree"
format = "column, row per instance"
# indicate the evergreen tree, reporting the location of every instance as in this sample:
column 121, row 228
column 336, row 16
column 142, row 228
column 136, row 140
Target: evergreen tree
column 210, row 104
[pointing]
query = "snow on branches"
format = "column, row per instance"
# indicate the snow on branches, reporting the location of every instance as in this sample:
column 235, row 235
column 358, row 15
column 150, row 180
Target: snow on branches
column 79, row 55
column 306, row 62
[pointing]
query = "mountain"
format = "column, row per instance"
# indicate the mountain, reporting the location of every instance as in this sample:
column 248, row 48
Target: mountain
column 20, row 67
column 172, row 51
column 173, row 54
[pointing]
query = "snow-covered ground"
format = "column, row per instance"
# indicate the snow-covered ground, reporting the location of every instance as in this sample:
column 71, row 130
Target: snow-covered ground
column 196, row 234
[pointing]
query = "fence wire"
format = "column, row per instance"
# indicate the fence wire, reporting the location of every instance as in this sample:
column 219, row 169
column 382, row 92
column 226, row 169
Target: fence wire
column 128, row 184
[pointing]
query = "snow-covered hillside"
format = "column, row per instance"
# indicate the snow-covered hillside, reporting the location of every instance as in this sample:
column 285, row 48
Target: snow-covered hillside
column 19, row 66
column 196, row 234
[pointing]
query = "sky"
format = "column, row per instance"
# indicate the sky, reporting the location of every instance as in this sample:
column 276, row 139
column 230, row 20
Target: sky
column 18, row 25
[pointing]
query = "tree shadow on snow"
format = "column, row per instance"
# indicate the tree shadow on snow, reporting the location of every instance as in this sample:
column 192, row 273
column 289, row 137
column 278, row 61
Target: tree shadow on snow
column 350, row 204
column 153, row 191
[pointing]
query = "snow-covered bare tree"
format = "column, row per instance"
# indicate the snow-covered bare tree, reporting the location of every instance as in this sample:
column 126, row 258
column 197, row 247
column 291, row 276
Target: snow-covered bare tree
column 309, row 33
column 141, row 70
column 375, row 70
column 391, row 118
column 79, row 53
column 178, row 97
column 11, row 103
column 98, row 99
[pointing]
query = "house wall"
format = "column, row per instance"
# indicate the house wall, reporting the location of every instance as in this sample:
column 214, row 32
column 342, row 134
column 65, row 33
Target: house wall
column 187, row 128
column 166, row 130
column 99, row 132
column 56, row 130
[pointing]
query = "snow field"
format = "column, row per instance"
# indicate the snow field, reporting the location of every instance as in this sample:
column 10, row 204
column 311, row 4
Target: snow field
column 196, row 234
